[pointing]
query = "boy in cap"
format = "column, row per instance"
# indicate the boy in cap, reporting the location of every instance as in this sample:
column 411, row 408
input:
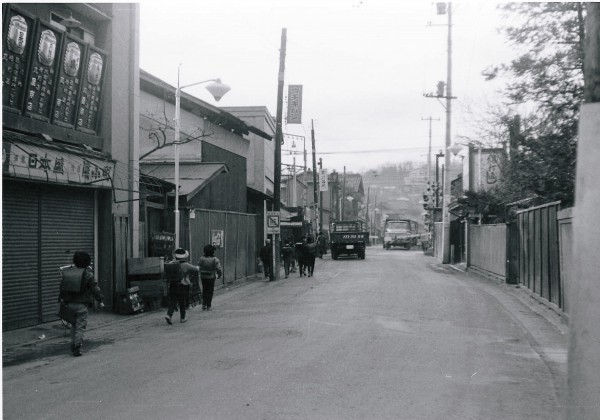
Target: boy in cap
column 179, row 287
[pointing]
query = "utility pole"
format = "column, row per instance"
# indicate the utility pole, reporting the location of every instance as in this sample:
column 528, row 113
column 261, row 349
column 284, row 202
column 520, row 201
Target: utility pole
column 446, row 176
column 343, row 199
column 278, row 142
column 320, row 196
column 367, row 213
column 430, row 119
column 446, row 8
column 315, row 192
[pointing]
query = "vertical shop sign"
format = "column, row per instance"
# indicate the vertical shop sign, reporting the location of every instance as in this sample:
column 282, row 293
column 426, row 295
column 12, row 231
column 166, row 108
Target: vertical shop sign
column 323, row 181
column 16, row 47
column 91, row 89
column 69, row 82
column 294, row 111
column 42, row 74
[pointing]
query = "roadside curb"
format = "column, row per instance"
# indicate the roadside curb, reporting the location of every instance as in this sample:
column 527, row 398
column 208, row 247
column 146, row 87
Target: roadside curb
column 535, row 303
column 54, row 330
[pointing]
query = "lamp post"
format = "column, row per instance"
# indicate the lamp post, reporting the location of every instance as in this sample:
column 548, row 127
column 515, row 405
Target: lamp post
column 217, row 89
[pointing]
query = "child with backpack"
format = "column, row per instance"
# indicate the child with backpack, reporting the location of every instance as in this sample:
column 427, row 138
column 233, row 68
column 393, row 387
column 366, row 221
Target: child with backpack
column 178, row 276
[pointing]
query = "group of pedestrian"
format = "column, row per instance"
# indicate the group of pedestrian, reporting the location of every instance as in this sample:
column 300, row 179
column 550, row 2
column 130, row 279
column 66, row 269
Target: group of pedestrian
column 79, row 289
column 179, row 275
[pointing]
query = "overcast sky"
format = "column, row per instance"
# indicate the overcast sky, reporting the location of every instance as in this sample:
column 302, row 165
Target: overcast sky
column 364, row 66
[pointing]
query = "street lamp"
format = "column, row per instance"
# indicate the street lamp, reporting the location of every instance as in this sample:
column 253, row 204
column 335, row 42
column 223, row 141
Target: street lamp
column 217, row 89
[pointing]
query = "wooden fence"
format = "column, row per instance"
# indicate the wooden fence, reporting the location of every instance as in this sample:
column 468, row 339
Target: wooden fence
column 240, row 247
column 487, row 250
column 539, row 254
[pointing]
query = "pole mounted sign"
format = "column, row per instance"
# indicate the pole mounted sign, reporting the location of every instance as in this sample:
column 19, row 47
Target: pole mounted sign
column 323, row 184
column 294, row 111
column 273, row 222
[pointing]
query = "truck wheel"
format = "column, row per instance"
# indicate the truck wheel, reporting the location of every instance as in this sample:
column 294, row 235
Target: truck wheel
column 361, row 255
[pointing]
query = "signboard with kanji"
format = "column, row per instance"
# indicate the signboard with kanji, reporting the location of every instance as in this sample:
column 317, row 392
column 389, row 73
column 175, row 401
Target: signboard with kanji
column 323, row 184
column 34, row 162
column 69, row 82
column 16, row 47
column 273, row 222
column 294, row 111
column 91, row 88
column 42, row 75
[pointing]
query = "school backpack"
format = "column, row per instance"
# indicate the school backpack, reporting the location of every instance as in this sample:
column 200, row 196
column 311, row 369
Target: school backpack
column 173, row 272
column 71, row 279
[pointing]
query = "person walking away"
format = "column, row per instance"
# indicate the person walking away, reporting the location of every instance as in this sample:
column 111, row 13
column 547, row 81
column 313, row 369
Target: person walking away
column 78, row 289
column 178, row 275
column 311, row 255
column 266, row 256
column 321, row 245
column 287, row 253
column 210, row 270
column 301, row 254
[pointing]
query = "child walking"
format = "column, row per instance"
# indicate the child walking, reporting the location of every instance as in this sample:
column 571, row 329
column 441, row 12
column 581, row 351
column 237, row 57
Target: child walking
column 210, row 270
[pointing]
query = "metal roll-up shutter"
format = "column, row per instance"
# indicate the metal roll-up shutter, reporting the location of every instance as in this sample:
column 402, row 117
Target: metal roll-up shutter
column 67, row 225
column 20, row 254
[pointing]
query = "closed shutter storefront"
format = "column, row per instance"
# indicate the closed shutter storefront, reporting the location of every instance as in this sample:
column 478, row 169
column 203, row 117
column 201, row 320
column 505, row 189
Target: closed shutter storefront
column 47, row 224
column 20, row 255
column 67, row 216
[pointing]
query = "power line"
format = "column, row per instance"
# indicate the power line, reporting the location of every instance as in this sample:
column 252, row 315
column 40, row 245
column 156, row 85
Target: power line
column 404, row 149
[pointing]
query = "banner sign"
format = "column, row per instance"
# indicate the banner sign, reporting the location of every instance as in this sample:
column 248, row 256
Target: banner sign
column 50, row 75
column 17, row 36
column 33, row 162
column 69, row 82
column 294, row 111
column 91, row 89
column 323, row 184
column 42, row 78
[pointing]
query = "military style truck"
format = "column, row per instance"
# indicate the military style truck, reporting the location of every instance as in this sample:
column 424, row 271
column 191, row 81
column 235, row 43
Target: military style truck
column 348, row 238
column 400, row 233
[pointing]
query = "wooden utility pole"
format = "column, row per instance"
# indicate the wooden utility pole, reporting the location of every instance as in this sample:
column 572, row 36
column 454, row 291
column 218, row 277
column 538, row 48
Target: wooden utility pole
column 446, row 172
column 343, row 199
column 315, row 191
column 320, row 196
column 278, row 142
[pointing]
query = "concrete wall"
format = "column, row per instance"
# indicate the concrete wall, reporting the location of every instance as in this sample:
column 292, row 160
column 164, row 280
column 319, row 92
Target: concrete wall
column 584, row 290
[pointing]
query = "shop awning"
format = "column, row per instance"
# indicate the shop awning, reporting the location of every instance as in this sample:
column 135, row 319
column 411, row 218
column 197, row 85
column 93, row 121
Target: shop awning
column 193, row 176
column 37, row 158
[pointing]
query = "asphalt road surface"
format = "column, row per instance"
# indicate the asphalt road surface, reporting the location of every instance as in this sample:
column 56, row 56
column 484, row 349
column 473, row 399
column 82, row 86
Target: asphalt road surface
column 394, row 336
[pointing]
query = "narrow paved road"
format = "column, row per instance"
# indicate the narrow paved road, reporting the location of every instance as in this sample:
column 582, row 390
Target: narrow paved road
column 394, row 336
